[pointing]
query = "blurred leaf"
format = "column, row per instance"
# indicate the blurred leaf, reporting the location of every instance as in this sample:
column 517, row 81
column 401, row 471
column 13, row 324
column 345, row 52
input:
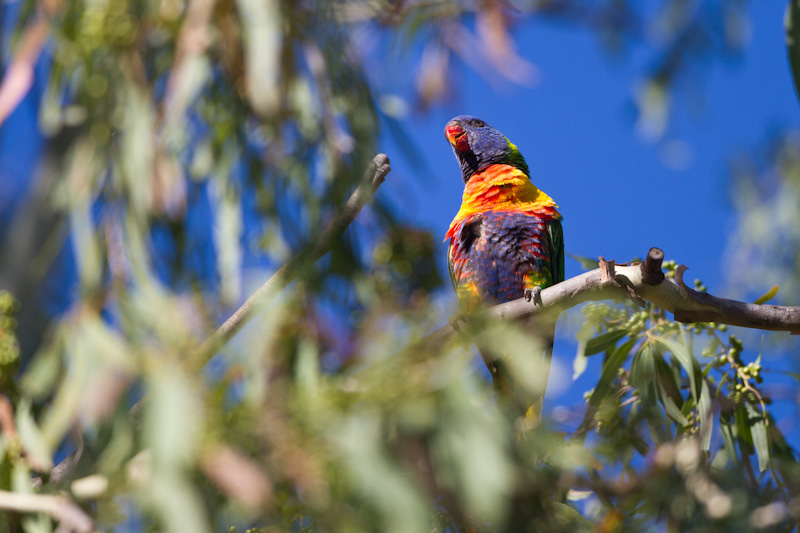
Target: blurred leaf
column 791, row 23
column 645, row 378
column 669, row 405
column 728, row 440
column 587, row 263
column 570, row 519
column 19, row 75
column 743, row 433
column 610, row 369
column 688, row 362
column 643, row 373
column 758, row 428
column 263, row 39
column 604, row 342
column 98, row 364
column 21, row 483
column 767, row 296
column 136, row 155
column 377, row 479
column 174, row 417
column 706, row 414
column 44, row 370
column 670, row 390
column 238, row 476
column 172, row 430
column 580, row 361
column 793, row 375
column 228, row 244
column 307, row 368
column 32, row 439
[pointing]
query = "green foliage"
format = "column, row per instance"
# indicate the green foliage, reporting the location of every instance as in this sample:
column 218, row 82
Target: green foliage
column 329, row 412
column 9, row 347
column 667, row 395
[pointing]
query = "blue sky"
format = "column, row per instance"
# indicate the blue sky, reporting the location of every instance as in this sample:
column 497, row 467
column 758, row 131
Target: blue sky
column 576, row 129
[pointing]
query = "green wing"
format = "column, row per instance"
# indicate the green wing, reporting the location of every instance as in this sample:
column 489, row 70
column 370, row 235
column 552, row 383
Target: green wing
column 451, row 266
column 556, row 249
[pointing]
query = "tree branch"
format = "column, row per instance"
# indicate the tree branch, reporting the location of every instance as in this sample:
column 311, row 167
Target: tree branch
column 69, row 516
column 373, row 178
column 647, row 282
column 674, row 296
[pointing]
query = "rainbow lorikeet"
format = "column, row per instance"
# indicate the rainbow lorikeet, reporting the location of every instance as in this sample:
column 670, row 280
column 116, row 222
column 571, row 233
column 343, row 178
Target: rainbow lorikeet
column 506, row 241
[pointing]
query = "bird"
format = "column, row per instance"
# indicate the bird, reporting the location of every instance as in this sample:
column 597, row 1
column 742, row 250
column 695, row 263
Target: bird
column 506, row 242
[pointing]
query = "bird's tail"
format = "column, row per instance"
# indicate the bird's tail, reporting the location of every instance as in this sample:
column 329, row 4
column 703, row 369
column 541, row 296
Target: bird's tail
column 521, row 395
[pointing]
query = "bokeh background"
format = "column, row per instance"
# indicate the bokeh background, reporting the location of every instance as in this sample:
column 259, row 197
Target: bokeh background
column 151, row 178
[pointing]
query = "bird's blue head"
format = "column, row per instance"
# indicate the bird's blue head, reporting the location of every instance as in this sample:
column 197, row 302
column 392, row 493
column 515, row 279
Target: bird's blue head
column 477, row 145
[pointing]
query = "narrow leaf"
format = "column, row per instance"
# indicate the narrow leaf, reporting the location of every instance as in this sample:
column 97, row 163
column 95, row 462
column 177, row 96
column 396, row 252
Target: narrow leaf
column 758, row 428
column 587, row 263
column 579, row 364
column 791, row 22
column 571, row 519
column 669, row 392
column 35, row 445
column 770, row 294
column 668, row 380
column 604, row 341
column 609, row 373
column 743, row 430
column 643, row 378
column 669, row 406
column 727, row 439
column 793, row 375
column 706, row 417
column 688, row 362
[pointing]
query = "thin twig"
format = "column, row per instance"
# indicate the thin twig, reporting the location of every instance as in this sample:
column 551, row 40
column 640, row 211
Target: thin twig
column 373, row 178
column 69, row 516
column 18, row 78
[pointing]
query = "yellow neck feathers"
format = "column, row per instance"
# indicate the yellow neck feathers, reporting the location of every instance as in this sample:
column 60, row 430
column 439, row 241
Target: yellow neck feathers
column 502, row 188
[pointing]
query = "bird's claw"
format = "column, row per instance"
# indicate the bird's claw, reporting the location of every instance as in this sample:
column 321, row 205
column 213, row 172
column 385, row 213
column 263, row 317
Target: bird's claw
column 533, row 294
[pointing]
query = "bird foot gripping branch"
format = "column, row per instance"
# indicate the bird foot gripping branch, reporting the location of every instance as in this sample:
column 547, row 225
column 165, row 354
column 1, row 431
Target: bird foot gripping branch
column 533, row 294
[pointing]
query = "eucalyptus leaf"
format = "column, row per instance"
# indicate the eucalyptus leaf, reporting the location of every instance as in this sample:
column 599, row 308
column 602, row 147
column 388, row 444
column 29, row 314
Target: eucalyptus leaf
column 580, row 362
column 586, row 263
column 706, row 413
column 671, row 409
column 570, row 519
column 688, row 362
column 743, row 433
column 792, row 25
column 728, row 440
column 609, row 372
column 604, row 342
column 758, row 428
column 33, row 441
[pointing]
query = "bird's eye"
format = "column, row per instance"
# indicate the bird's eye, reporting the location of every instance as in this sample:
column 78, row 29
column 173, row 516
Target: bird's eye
column 479, row 123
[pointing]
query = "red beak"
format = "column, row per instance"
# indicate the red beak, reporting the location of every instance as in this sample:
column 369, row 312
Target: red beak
column 457, row 137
